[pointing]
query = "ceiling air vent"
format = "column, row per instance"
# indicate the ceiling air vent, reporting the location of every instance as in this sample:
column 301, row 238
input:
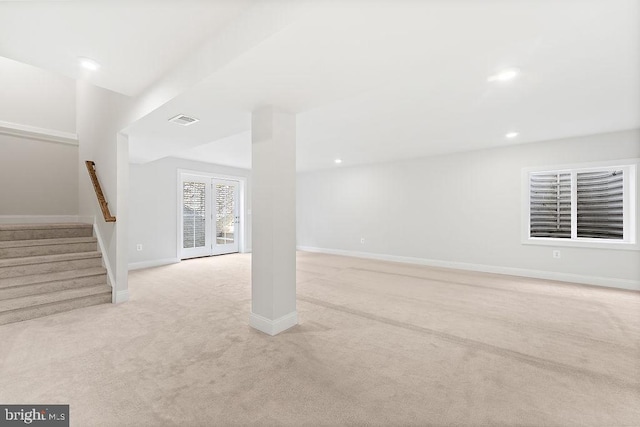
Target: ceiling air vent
column 183, row 120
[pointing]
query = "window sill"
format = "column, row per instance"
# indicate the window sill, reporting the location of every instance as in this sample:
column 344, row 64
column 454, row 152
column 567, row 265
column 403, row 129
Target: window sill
column 586, row 243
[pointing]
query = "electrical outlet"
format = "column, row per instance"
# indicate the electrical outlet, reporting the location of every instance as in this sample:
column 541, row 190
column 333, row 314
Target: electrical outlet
column 556, row 253
column 362, row 240
column 139, row 247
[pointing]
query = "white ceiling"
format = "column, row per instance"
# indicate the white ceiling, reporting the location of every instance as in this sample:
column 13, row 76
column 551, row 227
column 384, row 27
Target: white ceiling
column 386, row 80
column 397, row 80
column 135, row 41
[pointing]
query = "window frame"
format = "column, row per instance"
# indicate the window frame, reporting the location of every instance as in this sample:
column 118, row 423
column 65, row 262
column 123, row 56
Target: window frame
column 630, row 206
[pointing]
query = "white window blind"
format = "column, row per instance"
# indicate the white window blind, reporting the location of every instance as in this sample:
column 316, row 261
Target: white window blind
column 600, row 204
column 193, row 214
column 225, row 214
column 550, row 208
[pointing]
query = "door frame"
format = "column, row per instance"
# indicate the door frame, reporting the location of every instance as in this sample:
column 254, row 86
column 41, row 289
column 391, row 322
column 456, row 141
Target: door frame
column 243, row 246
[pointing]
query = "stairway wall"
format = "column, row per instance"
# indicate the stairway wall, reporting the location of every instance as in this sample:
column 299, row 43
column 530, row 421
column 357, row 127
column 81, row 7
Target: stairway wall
column 32, row 96
column 102, row 115
column 37, row 177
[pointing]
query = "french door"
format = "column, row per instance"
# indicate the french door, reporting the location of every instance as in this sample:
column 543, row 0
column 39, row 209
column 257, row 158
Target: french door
column 210, row 216
column 226, row 216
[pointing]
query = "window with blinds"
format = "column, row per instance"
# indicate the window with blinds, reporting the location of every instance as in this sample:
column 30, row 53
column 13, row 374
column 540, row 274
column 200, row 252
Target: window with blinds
column 583, row 204
column 600, row 204
column 550, row 205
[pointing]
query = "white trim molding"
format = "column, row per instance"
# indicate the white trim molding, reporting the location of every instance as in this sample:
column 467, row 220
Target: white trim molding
column 40, row 134
column 153, row 263
column 105, row 263
column 120, row 297
column 633, row 285
column 273, row 327
column 43, row 219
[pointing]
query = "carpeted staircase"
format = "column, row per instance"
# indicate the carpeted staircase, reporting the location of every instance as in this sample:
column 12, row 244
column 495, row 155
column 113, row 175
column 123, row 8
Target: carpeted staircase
column 49, row 268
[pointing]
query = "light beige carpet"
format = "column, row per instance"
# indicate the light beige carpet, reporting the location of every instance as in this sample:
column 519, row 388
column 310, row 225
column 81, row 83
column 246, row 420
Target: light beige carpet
column 378, row 344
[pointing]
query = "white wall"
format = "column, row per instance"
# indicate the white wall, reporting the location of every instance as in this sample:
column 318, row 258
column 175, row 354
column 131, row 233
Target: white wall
column 37, row 177
column 101, row 115
column 153, row 216
column 34, row 97
column 459, row 210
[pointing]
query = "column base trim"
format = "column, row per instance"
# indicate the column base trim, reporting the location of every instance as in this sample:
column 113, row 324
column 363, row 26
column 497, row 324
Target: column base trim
column 118, row 297
column 273, row 327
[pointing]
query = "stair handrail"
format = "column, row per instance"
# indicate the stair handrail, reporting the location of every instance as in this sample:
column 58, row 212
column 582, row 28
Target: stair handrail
column 104, row 206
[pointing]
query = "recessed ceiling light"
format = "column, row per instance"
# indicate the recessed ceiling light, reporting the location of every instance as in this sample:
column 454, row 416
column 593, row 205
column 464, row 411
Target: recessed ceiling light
column 88, row 64
column 512, row 135
column 504, row 75
column 337, row 161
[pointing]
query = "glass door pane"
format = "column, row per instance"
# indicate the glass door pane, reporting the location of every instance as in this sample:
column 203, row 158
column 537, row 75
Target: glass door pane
column 196, row 216
column 226, row 215
column 193, row 214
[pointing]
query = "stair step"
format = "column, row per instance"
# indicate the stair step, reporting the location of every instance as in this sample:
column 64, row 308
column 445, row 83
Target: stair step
column 36, row 279
column 51, row 297
column 49, row 268
column 44, row 231
column 26, row 248
column 29, row 307
column 15, row 287
column 14, row 267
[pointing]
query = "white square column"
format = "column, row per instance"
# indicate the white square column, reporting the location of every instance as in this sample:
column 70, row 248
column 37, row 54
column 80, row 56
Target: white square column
column 273, row 205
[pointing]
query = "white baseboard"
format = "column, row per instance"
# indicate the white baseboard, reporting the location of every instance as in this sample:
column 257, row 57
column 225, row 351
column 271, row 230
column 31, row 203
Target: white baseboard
column 633, row 285
column 273, row 327
column 120, row 297
column 152, row 263
column 42, row 219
